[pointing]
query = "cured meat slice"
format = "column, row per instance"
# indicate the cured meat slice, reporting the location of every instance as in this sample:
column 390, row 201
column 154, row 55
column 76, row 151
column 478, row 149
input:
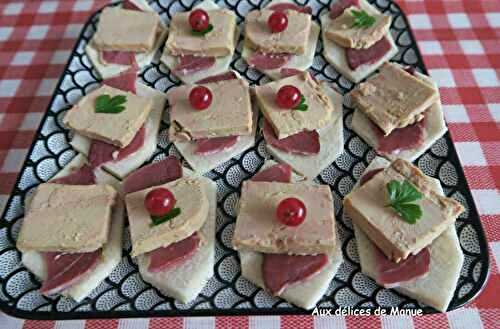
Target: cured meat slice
column 286, row 72
column 280, row 172
column 230, row 75
column 164, row 258
column 410, row 69
column 190, row 64
column 303, row 143
column 392, row 274
column 153, row 174
column 290, row 6
column 400, row 139
column 282, row 270
column 118, row 57
column 124, row 81
column 263, row 61
column 206, row 146
column 357, row 57
column 338, row 7
column 127, row 4
column 369, row 175
column 83, row 176
column 64, row 270
column 101, row 152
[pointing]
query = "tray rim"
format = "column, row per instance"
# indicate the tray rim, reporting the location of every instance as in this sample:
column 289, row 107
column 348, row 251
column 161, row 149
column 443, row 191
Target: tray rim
column 83, row 315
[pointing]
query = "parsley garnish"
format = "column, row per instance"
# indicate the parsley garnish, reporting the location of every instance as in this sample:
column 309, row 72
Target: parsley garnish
column 362, row 19
column 302, row 105
column 401, row 197
column 157, row 220
column 202, row 33
column 108, row 104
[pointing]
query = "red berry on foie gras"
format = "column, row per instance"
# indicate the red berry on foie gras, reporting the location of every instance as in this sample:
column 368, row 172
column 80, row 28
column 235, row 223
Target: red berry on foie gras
column 277, row 22
column 200, row 98
column 199, row 20
column 159, row 201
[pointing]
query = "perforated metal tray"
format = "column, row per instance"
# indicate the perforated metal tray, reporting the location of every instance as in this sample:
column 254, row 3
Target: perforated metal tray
column 124, row 294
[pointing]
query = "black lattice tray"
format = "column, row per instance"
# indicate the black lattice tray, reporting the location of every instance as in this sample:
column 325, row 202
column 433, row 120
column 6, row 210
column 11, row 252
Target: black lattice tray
column 124, row 294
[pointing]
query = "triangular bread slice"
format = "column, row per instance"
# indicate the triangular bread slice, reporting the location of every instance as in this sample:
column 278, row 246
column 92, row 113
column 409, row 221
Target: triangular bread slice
column 125, row 166
column 111, row 251
column 221, row 63
column 435, row 127
column 142, row 59
column 186, row 281
column 297, row 62
column 335, row 55
column 331, row 140
column 438, row 286
column 305, row 294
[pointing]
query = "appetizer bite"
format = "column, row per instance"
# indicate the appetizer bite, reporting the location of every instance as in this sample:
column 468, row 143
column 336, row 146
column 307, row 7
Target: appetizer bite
column 213, row 121
column 201, row 42
column 398, row 112
column 302, row 122
column 356, row 38
column 280, row 38
column 126, row 36
column 286, row 237
column 172, row 227
column 405, row 233
column 116, row 126
column 71, row 236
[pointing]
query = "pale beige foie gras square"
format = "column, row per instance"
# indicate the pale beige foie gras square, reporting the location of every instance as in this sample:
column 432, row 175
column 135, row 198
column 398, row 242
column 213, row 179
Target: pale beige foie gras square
column 292, row 40
column 342, row 31
column 190, row 198
column 113, row 128
column 286, row 122
column 67, row 218
column 393, row 98
column 219, row 42
column 257, row 228
column 391, row 233
column 126, row 30
column 229, row 114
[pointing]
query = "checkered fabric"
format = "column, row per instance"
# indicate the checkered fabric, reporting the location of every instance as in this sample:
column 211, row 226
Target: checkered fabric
column 460, row 42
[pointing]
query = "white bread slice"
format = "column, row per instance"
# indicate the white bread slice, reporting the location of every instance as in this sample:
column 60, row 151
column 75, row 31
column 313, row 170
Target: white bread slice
column 335, row 55
column 221, row 63
column 435, row 127
column 202, row 164
column 142, row 59
column 305, row 294
column 125, row 166
column 436, row 288
column 111, row 252
column 186, row 281
column 331, row 140
column 298, row 62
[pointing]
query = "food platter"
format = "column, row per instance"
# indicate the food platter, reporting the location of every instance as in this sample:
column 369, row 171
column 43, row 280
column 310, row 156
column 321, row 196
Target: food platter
column 125, row 294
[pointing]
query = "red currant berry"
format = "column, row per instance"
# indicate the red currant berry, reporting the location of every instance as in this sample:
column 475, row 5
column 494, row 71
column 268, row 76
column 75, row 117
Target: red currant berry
column 291, row 212
column 277, row 22
column 200, row 97
column 288, row 97
column 159, row 201
column 198, row 19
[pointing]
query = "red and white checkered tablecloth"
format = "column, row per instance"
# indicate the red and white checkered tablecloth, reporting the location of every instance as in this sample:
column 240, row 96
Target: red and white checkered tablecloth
column 460, row 42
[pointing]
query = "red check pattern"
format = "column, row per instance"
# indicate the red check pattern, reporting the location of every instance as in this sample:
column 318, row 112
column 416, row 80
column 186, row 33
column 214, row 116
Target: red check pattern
column 460, row 42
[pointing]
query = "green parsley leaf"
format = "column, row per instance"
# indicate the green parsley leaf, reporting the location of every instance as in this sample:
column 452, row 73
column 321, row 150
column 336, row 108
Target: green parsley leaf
column 302, row 105
column 107, row 104
column 401, row 196
column 202, row 33
column 157, row 220
column 362, row 19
